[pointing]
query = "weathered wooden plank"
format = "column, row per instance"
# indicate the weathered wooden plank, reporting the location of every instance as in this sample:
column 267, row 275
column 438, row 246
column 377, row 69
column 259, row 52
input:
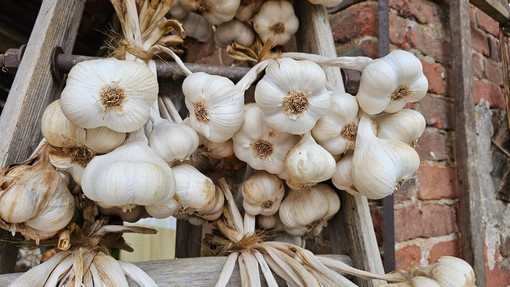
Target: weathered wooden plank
column 196, row 272
column 33, row 88
column 466, row 155
column 351, row 230
column 188, row 239
column 494, row 8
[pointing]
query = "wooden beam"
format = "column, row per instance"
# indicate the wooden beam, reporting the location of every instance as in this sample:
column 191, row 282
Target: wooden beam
column 188, row 239
column 196, row 272
column 495, row 9
column 466, row 147
column 33, row 89
column 351, row 231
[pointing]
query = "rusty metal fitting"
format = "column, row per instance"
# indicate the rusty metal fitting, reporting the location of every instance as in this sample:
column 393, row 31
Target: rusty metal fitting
column 10, row 60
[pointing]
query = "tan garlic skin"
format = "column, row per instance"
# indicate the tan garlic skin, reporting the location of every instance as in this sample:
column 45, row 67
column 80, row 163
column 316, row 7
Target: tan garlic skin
column 215, row 11
column 276, row 22
column 306, row 211
column 269, row 222
column 234, row 31
column 247, row 9
column 262, row 193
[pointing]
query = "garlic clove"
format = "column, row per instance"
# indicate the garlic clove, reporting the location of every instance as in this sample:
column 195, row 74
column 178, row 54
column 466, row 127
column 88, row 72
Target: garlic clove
column 379, row 166
column 336, row 131
column 269, row 222
column 234, row 31
column 342, row 179
column 309, row 163
column 406, row 126
column 197, row 27
column 215, row 11
column 173, row 142
column 216, row 106
column 293, row 95
column 194, row 190
column 109, row 93
column 100, row 140
column 262, row 193
column 163, row 209
column 388, row 83
column 422, row 281
column 276, row 21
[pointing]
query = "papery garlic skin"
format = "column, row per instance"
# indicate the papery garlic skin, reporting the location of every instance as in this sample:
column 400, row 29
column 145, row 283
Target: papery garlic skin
column 260, row 146
column 379, row 166
column 269, row 222
column 163, row 209
column 262, row 193
column 197, row 27
column 406, row 126
column 336, row 130
column 133, row 174
column 308, row 163
column 194, row 190
column 276, row 22
column 173, row 142
column 216, row 106
column 342, row 179
column 247, row 9
column 293, row 95
column 215, row 11
column 234, row 31
column 109, row 93
column 326, row 3
column 389, row 83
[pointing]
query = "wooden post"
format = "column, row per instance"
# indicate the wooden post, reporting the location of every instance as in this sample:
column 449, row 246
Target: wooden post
column 351, row 231
column 33, row 89
column 466, row 154
column 188, row 239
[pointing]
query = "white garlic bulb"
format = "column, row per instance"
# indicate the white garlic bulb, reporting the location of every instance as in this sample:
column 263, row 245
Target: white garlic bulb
column 342, row 179
column 216, row 105
column 163, row 209
column 133, row 174
column 269, row 222
column 306, row 211
column 60, row 132
column 326, row 3
column 197, row 27
column 293, row 95
column 109, row 93
column 336, row 131
column 379, row 166
column 234, row 31
column 262, row 147
column 406, row 126
column 71, row 161
column 388, row 83
column 247, row 9
column 308, row 163
column 173, row 142
column 276, row 21
column 215, row 11
column 262, row 193
column 195, row 191
column 178, row 12
column 450, row 271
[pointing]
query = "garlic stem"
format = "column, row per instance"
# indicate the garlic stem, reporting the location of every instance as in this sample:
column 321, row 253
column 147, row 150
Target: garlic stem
column 352, row 63
column 236, row 215
column 138, row 275
column 226, row 271
column 250, row 77
column 249, row 224
column 252, row 268
column 180, row 63
column 266, row 271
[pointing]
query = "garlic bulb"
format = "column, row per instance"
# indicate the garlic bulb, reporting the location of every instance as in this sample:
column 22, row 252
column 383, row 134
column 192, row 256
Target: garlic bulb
column 60, row 132
column 178, row 12
column 234, row 31
column 308, row 163
column 71, row 161
column 163, row 209
column 209, row 212
column 215, row 11
column 306, row 211
column 262, row 147
column 269, row 222
column 34, row 198
column 194, row 190
column 247, row 9
column 216, row 150
column 276, row 21
column 388, row 83
column 379, row 166
column 109, row 93
column 133, row 174
column 406, row 126
column 262, row 193
column 216, row 105
column 173, row 142
column 326, row 3
column 197, row 27
column 336, row 131
column 293, row 96
column 342, row 179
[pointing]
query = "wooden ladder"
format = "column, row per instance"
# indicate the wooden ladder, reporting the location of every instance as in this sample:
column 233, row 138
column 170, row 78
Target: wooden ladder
column 351, row 230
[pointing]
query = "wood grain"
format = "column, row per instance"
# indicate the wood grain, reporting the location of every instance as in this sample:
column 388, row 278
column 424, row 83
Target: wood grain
column 466, row 147
column 196, row 272
column 494, row 8
column 33, row 89
column 351, row 231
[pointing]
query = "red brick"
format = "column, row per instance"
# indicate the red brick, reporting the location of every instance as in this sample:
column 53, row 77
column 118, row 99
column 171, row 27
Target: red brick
column 355, row 21
column 377, row 220
column 493, row 71
column 477, row 65
column 435, row 75
column 430, row 42
column 472, row 11
column 407, row 257
column 486, row 23
column 437, row 110
column 497, row 276
column 425, row 222
column 433, row 145
column 359, row 47
column 406, row 191
column 494, row 48
column 479, row 41
column 445, row 248
column 423, row 11
column 490, row 93
column 398, row 30
column 436, row 182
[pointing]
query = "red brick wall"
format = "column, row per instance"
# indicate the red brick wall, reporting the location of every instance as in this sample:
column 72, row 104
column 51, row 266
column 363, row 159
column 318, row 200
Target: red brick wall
column 426, row 206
